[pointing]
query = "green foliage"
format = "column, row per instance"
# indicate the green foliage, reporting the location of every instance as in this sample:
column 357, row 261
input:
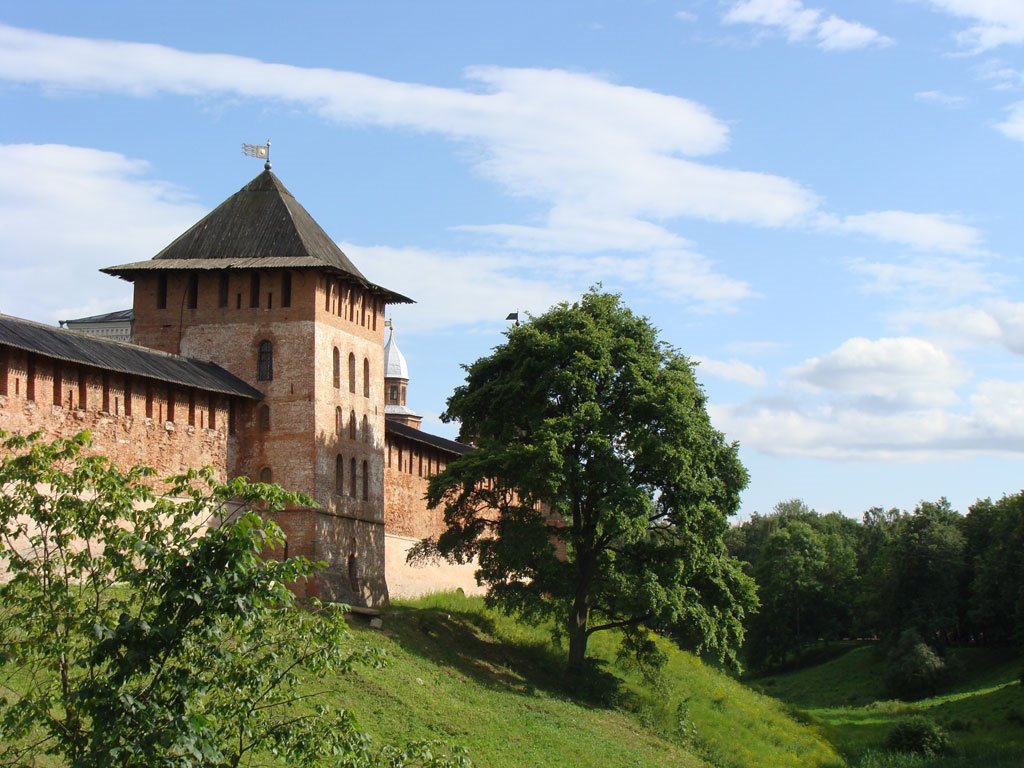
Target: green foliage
column 139, row 629
column 918, row 735
column 805, row 565
column 913, row 668
column 592, row 439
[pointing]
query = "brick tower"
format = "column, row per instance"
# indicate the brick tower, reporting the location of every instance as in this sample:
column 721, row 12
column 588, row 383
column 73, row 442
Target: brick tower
column 258, row 287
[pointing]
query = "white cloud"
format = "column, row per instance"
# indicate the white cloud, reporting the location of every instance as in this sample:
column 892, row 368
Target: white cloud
column 1013, row 126
column 993, row 426
column 534, row 282
column 996, row 322
column 58, row 208
column 896, row 370
column 995, row 22
column 687, row 16
column 922, row 231
column 731, row 370
column 800, row 23
column 926, row 277
column 940, row 99
column 572, row 140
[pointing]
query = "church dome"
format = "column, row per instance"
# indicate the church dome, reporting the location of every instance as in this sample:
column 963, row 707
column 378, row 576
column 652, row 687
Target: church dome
column 395, row 366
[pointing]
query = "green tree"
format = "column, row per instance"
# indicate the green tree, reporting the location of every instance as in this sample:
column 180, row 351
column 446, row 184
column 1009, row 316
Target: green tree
column 805, row 565
column 919, row 573
column 995, row 536
column 598, row 491
column 134, row 631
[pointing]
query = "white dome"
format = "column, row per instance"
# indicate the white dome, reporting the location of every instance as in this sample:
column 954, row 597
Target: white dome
column 395, row 366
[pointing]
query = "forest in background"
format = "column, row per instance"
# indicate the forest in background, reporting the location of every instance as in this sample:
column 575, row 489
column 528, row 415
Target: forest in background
column 920, row 581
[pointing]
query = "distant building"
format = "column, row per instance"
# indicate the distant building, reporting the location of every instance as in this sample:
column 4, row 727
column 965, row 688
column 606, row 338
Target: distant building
column 112, row 325
column 258, row 348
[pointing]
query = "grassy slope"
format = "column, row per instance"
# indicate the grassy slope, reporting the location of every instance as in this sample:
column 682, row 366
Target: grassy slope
column 983, row 710
column 465, row 675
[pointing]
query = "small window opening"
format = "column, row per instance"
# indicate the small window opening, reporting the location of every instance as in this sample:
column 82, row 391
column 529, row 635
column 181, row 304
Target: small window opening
column 339, row 475
column 351, row 372
column 265, row 361
column 193, row 290
column 58, row 386
column 161, row 291
column 366, row 428
column 191, row 407
column 352, row 477
column 265, row 475
column 337, row 369
column 149, row 401
column 286, row 289
column 105, row 393
column 254, row 290
column 83, row 390
column 366, row 481
column 170, row 404
column 128, row 397
column 211, row 410
column 366, row 377
column 338, row 419
column 222, row 290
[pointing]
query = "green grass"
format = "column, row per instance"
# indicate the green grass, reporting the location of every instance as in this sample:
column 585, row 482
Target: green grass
column 463, row 674
column 983, row 709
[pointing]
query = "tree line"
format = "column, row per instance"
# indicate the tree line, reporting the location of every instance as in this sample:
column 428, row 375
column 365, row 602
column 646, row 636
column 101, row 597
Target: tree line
column 944, row 576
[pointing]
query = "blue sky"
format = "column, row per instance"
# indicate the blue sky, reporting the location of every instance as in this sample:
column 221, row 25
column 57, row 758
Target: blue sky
column 818, row 201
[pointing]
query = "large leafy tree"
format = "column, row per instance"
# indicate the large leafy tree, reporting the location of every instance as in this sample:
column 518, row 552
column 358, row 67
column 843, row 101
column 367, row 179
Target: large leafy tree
column 598, row 491
column 135, row 630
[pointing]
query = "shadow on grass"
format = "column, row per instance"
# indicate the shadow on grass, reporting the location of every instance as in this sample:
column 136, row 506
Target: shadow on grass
column 467, row 641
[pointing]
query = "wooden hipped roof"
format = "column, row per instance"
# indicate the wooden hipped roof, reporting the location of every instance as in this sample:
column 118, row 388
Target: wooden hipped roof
column 262, row 226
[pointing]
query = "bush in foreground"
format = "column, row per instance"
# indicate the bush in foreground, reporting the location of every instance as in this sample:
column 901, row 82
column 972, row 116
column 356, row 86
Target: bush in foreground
column 918, row 735
column 136, row 630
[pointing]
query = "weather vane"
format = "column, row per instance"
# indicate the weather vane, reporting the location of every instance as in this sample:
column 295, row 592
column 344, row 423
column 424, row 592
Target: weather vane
column 258, row 150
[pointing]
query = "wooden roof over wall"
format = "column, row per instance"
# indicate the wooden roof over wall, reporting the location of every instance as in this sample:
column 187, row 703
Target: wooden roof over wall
column 121, row 357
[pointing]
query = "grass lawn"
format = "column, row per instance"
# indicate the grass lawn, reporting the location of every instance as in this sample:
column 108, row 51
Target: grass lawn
column 467, row 675
column 983, row 710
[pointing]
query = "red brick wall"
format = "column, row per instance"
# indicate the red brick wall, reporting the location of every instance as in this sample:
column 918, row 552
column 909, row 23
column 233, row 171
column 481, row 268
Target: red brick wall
column 120, row 430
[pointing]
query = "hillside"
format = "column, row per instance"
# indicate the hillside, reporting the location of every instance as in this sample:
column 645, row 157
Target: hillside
column 465, row 675
column 982, row 709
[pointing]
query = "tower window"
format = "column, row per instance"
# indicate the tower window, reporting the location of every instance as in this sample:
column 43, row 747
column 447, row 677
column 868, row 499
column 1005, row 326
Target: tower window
column 366, row 481
column 352, row 425
column 265, row 362
column 211, row 408
column 286, row 289
column 193, row 290
column 161, row 291
column 222, row 291
column 338, row 419
column 351, row 372
column 254, row 290
column 366, row 377
column 265, row 475
column 339, row 475
column 352, row 478
column 337, row 369
column 393, row 398
column 366, row 429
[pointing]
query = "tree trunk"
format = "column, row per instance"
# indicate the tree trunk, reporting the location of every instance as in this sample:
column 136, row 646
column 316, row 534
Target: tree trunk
column 578, row 621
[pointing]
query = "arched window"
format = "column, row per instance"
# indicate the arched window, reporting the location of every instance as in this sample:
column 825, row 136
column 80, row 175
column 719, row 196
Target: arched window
column 366, row 481
column 352, row 425
column 337, row 369
column 339, row 475
column 265, row 362
column 366, row 377
column 338, row 418
column 352, row 478
column 265, row 475
column 263, row 417
column 366, row 428
column 351, row 372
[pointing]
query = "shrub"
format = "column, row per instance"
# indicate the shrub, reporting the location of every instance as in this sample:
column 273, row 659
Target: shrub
column 919, row 735
column 913, row 668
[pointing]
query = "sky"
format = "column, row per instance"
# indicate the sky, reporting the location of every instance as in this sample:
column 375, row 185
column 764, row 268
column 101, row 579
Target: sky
column 818, row 202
